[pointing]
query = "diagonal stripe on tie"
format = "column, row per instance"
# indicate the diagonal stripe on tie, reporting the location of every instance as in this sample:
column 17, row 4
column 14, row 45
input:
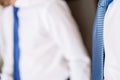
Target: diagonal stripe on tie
column 16, row 45
column 98, row 41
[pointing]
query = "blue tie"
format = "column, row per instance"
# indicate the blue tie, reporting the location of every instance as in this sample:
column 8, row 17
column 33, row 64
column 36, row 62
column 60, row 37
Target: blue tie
column 98, row 55
column 16, row 45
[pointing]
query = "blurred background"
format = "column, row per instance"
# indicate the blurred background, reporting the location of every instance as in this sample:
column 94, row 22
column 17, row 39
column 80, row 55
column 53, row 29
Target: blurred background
column 84, row 12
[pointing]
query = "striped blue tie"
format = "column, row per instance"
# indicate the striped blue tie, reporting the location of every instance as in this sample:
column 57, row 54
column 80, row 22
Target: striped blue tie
column 16, row 46
column 98, row 44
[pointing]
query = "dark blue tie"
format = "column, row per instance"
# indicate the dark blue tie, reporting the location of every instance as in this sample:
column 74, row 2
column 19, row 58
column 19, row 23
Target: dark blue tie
column 16, row 45
column 98, row 55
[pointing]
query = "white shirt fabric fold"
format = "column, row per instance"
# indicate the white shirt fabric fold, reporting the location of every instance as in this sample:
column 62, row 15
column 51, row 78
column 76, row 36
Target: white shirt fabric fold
column 51, row 47
column 112, row 41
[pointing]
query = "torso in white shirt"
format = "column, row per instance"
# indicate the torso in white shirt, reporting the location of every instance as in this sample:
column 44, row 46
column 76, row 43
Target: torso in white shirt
column 41, row 58
column 112, row 41
column 50, row 44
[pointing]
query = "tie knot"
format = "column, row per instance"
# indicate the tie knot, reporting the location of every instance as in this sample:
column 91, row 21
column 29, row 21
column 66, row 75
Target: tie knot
column 104, row 3
column 16, row 9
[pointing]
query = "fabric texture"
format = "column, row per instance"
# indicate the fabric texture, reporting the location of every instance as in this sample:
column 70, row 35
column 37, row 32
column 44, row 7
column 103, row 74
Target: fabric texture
column 98, row 41
column 51, row 47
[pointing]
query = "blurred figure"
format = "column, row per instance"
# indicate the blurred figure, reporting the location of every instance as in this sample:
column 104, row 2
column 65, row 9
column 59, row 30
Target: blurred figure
column 51, row 47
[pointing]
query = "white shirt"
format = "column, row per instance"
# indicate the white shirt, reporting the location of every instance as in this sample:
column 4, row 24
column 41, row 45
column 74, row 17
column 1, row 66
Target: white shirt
column 112, row 41
column 51, row 48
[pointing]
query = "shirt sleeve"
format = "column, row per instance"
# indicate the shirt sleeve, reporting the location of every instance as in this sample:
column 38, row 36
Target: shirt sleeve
column 64, row 30
column 6, row 55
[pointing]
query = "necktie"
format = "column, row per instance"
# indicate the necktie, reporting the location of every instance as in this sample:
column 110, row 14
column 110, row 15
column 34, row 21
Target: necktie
column 16, row 45
column 98, row 55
